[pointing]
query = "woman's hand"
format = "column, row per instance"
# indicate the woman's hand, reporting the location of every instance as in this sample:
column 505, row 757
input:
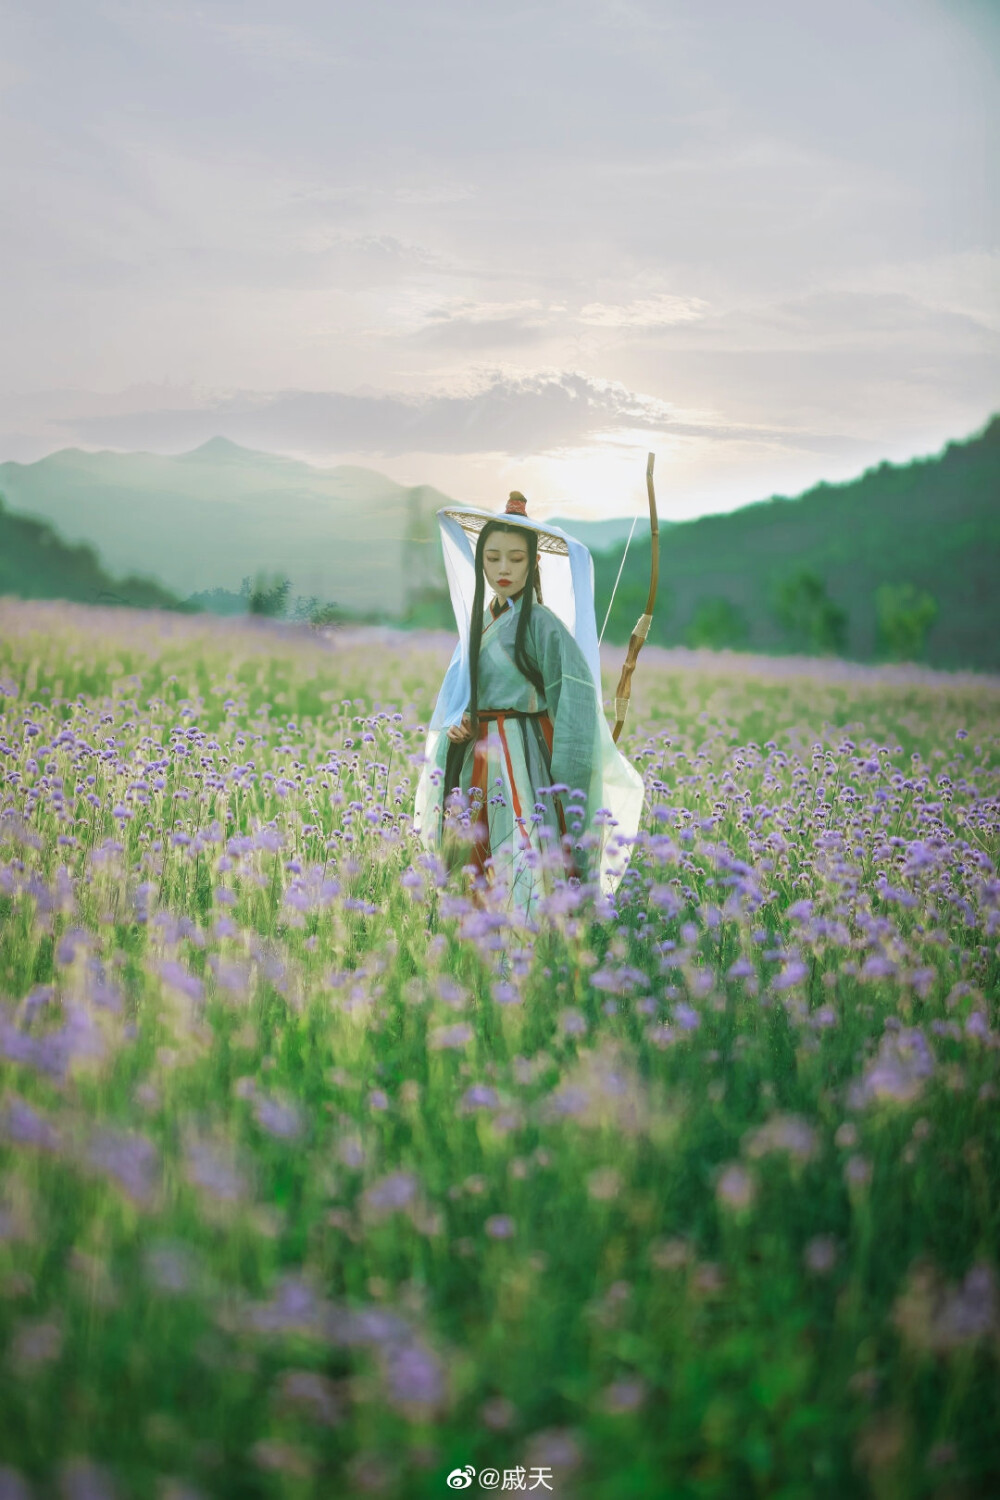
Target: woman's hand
column 459, row 733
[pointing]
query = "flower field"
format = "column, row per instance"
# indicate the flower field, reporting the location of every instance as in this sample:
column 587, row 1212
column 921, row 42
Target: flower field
column 318, row 1178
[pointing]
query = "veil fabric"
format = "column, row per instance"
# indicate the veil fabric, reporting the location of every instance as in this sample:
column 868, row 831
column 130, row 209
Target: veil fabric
column 567, row 582
column 567, row 589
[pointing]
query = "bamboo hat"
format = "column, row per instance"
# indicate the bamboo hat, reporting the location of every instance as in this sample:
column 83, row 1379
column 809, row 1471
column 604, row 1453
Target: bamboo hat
column 473, row 520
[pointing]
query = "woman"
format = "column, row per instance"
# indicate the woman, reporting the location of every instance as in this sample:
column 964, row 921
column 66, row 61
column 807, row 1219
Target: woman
column 521, row 776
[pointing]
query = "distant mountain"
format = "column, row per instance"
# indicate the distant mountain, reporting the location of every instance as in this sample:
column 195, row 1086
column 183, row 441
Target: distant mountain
column 204, row 521
column 35, row 563
column 904, row 562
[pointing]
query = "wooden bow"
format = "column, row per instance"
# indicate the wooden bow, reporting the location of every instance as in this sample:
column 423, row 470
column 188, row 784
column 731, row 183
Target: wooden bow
column 638, row 637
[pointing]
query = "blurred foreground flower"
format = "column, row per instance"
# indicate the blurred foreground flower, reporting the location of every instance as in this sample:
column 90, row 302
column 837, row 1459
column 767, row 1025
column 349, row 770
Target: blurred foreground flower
column 129, row 1160
column 605, row 1089
column 80, row 1479
column 35, row 1343
column 309, row 1394
column 788, row 1134
column 820, row 1255
column 899, row 1072
column 415, row 1381
column 736, row 1188
column 604, row 1184
column 282, row 1458
column 935, row 1317
column 13, row 1486
column 212, row 1169
column 623, row 1396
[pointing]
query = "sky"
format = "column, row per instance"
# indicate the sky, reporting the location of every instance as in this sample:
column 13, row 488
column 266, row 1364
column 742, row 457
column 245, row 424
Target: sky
column 490, row 247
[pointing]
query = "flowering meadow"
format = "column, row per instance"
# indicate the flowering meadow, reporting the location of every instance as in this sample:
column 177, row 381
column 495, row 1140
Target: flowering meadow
column 320, row 1178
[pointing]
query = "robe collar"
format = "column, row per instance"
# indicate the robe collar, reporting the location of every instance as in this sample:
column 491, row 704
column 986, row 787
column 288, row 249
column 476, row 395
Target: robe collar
column 497, row 609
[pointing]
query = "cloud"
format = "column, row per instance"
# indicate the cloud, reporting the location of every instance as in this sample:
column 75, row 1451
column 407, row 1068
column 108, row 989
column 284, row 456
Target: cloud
column 472, row 325
column 888, row 324
column 661, row 311
column 469, row 325
column 507, row 414
column 511, row 416
column 468, row 334
column 779, row 218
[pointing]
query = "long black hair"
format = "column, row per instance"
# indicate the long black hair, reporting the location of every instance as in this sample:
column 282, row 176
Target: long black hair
column 521, row 660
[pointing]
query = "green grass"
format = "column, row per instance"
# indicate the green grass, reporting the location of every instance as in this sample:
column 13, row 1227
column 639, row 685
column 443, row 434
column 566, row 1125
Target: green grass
column 697, row 1232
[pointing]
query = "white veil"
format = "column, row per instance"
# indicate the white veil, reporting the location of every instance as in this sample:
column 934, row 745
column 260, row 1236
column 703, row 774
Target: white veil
column 567, row 579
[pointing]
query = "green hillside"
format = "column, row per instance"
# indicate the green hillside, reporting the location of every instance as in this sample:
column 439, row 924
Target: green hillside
column 203, row 521
column 35, row 563
column 903, row 562
column 604, row 536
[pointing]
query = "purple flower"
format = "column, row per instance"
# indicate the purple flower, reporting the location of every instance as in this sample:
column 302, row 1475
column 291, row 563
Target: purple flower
column 621, row 981
column 394, row 1193
column 294, row 1308
column 70, row 943
column 976, row 1025
column 820, row 1255
column 857, row 1171
column 352, row 1154
column 210, row 1168
column 128, row 1159
column 231, row 975
column 444, row 1037
column 279, row 1118
column 790, row 1134
column 25, row 1126
column 82, row 1480
column 604, row 1184
column 171, row 1268
column 177, row 977
column 794, row 972
column 500, row 1227
column 660, row 1036
column 79, row 1039
column 505, row 993
column 741, row 969
column 36, row 1342
column 970, row 1312
column 449, row 992
column 933, row 1317
column 623, row 1395
column 311, row 1394
column 479, row 1096
column 498, row 1414
column 878, row 966
column 12, row 1485
column 415, row 1379
column 735, row 1188
column 899, row 1071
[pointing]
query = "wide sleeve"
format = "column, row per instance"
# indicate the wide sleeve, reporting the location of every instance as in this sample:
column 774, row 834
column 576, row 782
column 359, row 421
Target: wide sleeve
column 571, row 699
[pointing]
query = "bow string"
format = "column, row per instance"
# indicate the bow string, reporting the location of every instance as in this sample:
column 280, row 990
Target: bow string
column 637, row 640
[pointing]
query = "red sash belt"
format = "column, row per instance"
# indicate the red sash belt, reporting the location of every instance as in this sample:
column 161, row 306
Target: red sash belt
column 480, row 772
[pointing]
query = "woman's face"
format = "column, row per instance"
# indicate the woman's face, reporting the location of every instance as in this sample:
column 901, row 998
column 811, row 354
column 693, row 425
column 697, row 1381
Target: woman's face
column 505, row 563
